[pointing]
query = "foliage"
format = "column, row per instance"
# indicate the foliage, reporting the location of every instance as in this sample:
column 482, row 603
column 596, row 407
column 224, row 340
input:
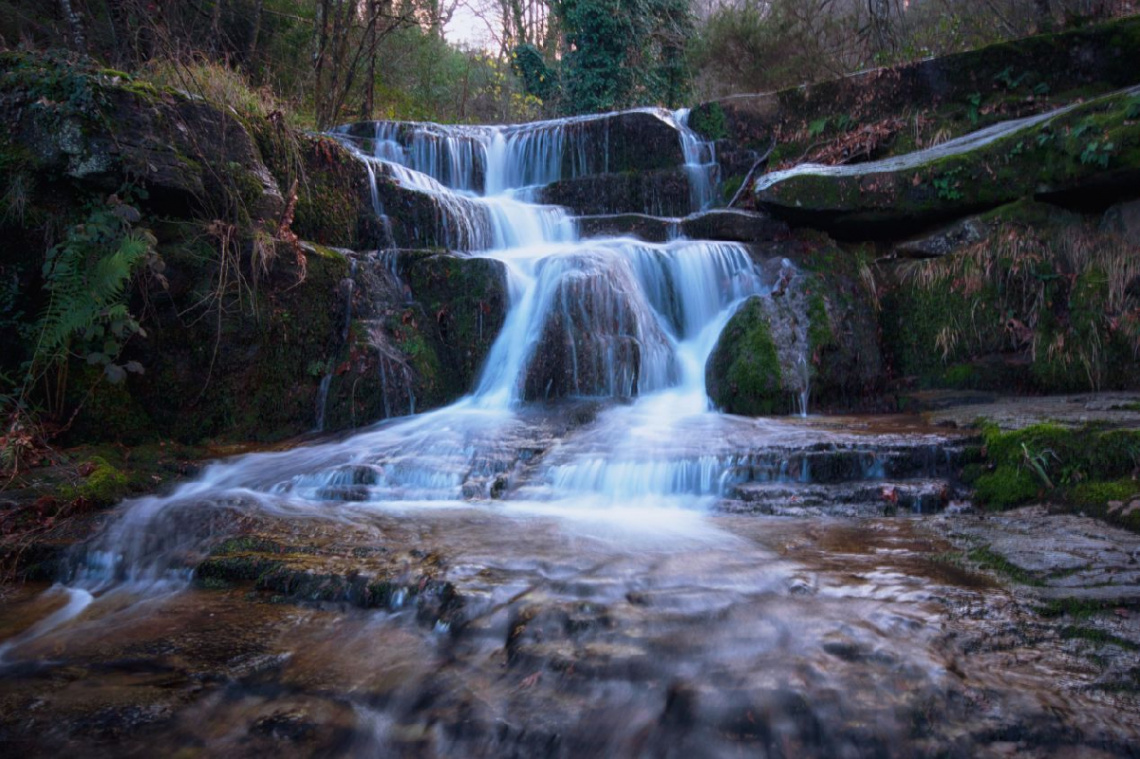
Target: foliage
column 1098, row 152
column 622, row 54
column 1133, row 109
column 709, row 121
column 85, row 278
column 1057, row 295
column 538, row 79
column 1005, row 487
column 765, row 45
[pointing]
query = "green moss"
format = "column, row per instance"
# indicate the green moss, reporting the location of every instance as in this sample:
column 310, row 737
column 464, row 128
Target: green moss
column 987, row 558
column 105, row 485
column 1078, row 608
column 1005, row 487
column 759, row 373
column 820, row 334
column 746, row 367
column 1098, row 493
column 731, row 186
column 1060, row 153
column 1073, row 454
column 708, row 120
column 1083, row 468
column 1097, row 636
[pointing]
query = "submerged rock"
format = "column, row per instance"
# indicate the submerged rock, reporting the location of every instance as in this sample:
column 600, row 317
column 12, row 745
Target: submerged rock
column 599, row 337
column 721, row 224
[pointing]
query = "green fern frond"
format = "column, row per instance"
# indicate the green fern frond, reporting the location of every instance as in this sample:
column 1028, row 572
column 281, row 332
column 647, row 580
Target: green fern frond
column 86, row 293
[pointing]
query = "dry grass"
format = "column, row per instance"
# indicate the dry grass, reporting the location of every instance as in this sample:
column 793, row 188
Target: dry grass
column 1016, row 270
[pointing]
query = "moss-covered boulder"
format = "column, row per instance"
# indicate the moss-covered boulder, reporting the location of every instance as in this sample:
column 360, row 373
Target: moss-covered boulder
column 1091, row 468
column 1082, row 155
column 814, row 339
column 744, row 374
column 73, row 124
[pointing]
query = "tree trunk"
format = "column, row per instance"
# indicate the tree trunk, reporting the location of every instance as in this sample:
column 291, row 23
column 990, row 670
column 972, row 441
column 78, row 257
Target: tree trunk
column 75, row 25
column 216, row 26
column 1044, row 15
column 369, row 104
column 251, row 54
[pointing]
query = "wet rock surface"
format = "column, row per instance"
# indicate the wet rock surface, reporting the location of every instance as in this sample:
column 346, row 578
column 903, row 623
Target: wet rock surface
column 962, row 409
column 718, row 224
column 658, row 193
column 818, row 638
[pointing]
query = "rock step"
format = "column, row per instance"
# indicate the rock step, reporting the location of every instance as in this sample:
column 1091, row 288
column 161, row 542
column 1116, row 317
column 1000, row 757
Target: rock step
column 723, row 224
column 868, row 498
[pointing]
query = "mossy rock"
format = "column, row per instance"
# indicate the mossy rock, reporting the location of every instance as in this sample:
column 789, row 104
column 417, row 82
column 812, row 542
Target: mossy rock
column 464, row 302
column 1007, row 486
column 1087, row 155
column 743, row 374
column 104, row 485
column 1092, row 469
column 954, row 93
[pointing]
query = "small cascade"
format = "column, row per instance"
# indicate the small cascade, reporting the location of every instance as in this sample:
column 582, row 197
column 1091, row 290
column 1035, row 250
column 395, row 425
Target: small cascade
column 456, row 156
column 349, row 287
column 805, row 384
column 700, row 163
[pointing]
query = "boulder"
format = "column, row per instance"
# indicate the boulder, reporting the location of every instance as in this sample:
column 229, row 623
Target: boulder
column 813, row 341
column 731, row 225
column 1007, row 79
column 1080, row 155
column 639, row 225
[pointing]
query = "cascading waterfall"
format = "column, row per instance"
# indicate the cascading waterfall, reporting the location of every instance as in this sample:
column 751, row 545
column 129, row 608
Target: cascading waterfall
column 608, row 318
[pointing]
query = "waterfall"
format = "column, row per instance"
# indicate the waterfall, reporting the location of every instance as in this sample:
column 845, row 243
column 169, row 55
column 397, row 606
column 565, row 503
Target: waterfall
column 610, row 318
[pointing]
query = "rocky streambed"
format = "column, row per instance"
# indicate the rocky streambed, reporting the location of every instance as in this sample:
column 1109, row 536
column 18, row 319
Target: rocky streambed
column 710, row 636
column 518, row 626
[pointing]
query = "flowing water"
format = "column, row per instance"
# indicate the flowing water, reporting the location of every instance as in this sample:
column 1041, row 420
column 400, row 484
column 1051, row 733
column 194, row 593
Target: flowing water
column 542, row 568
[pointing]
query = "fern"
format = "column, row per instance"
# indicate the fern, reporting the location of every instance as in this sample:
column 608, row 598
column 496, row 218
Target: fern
column 86, row 277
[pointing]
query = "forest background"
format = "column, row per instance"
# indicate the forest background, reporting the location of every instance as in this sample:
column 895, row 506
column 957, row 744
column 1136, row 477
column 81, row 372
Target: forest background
column 324, row 62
